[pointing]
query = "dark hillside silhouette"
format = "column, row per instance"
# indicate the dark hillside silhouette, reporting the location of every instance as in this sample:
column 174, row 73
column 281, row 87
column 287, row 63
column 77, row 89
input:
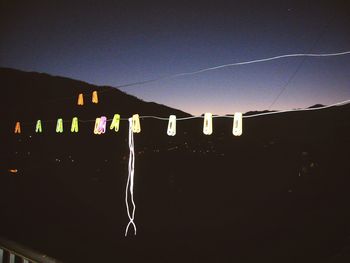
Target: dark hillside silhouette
column 278, row 193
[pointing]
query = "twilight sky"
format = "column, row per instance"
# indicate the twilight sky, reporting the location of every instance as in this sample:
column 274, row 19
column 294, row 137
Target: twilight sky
column 117, row 42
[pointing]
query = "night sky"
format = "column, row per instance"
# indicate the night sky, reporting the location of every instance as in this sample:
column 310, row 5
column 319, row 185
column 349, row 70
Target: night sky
column 116, row 42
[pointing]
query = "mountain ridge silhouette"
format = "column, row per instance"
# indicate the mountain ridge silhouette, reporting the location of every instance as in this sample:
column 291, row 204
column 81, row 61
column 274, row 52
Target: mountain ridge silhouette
column 277, row 193
column 42, row 92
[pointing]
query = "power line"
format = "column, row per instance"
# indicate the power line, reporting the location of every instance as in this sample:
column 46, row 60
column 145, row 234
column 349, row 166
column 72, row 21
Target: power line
column 290, row 79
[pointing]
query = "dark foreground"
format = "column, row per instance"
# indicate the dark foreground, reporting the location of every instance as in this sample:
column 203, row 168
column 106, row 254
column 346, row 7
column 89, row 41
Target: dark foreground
column 262, row 197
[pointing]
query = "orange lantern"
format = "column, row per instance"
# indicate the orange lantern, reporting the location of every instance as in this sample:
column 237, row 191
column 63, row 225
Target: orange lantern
column 80, row 99
column 94, row 97
column 18, row 127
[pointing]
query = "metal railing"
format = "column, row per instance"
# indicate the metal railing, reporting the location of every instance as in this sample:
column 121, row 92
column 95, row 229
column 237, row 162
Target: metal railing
column 11, row 252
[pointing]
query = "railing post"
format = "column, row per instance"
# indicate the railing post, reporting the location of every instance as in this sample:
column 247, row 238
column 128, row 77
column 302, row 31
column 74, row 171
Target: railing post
column 6, row 256
column 11, row 252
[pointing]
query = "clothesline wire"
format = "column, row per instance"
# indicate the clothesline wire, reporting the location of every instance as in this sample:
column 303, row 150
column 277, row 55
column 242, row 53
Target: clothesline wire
column 231, row 65
column 216, row 116
column 130, row 84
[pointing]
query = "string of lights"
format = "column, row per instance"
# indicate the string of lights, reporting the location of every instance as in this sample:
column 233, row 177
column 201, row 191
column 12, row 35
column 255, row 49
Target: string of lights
column 201, row 117
column 253, row 115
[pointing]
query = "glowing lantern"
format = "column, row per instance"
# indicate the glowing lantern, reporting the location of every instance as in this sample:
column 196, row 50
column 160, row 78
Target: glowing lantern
column 75, row 126
column 208, row 124
column 38, row 127
column 172, row 125
column 237, row 124
column 18, row 127
column 102, row 125
column 80, row 99
column 136, row 127
column 59, row 126
column 97, row 122
column 115, row 122
column 94, row 97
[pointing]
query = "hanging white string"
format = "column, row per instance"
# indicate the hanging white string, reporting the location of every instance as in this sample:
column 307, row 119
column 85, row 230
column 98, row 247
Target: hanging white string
column 130, row 181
